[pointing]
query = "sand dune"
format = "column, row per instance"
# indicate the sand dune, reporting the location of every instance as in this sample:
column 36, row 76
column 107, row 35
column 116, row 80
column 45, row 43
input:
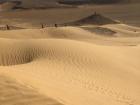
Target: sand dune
column 59, row 60
column 97, row 1
column 121, row 36
column 13, row 93
column 26, row 4
column 101, row 31
column 117, row 30
column 8, row 5
column 70, row 66
column 94, row 19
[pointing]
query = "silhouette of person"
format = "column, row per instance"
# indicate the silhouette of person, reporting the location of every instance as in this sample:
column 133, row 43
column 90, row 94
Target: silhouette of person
column 42, row 26
column 7, row 27
column 55, row 25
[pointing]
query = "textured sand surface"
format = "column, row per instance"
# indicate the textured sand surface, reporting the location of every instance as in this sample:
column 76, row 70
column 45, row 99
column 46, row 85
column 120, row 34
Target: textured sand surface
column 12, row 93
column 70, row 66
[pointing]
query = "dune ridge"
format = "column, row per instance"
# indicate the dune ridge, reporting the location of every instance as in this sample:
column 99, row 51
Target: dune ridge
column 94, row 19
column 124, row 36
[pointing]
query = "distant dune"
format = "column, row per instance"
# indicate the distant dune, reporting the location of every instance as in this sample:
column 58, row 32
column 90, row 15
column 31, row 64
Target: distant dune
column 8, row 5
column 42, row 4
column 78, row 2
column 26, row 4
column 94, row 19
column 92, row 34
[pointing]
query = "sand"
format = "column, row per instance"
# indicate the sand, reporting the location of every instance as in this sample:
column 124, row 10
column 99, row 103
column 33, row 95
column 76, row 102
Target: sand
column 13, row 93
column 70, row 66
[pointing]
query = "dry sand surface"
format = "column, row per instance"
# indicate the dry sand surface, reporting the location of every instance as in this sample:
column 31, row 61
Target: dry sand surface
column 70, row 66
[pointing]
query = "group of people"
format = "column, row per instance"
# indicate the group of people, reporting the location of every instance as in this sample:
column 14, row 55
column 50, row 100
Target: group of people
column 43, row 26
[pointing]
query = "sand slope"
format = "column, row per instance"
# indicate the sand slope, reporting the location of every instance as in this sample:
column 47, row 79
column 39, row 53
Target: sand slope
column 125, row 35
column 71, row 65
column 12, row 93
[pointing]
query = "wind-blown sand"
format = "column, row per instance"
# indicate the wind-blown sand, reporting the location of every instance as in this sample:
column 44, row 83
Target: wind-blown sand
column 70, row 66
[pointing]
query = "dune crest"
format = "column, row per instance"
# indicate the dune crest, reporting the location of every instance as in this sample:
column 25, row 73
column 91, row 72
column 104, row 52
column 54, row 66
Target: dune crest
column 94, row 19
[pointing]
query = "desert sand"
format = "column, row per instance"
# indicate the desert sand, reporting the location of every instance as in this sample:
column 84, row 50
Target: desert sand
column 96, row 62
column 70, row 66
